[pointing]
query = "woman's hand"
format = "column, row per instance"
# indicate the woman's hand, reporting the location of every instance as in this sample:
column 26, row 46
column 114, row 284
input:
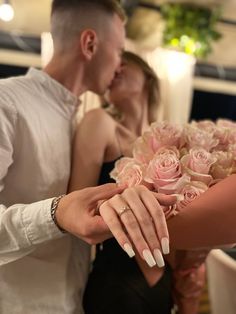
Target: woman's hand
column 136, row 219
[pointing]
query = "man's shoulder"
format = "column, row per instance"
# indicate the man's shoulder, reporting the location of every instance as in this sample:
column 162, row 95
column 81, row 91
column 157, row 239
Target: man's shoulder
column 11, row 81
column 12, row 85
column 14, row 89
column 18, row 83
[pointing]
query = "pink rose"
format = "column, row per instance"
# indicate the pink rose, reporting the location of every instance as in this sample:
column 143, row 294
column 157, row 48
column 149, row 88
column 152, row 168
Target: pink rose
column 175, row 186
column 142, row 150
column 223, row 167
column 224, row 123
column 170, row 150
column 206, row 125
column 166, row 134
column 164, row 170
column 197, row 164
column 196, row 137
column 232, row 136
column 130, row 174
column 119, row 166
column 226, row 135
column 223, row 137
column 190, row 192
column 232, row 150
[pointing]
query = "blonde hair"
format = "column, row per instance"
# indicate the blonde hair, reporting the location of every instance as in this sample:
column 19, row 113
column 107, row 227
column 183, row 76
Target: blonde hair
column 152, row 83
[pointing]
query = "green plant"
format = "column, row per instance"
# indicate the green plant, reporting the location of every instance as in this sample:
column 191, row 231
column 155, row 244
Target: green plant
column 190, row 28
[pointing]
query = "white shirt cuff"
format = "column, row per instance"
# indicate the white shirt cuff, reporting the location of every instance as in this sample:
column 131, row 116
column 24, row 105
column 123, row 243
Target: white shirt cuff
column 38, row 222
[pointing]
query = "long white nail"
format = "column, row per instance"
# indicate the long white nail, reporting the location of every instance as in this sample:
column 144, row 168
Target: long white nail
column 129, row 250
column 159, row 258
column 179, row 197
column 149, row 258
column 165, row 245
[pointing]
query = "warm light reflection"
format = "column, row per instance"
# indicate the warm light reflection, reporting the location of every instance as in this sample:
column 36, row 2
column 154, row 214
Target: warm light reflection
column 178, row 65
column 175, row 71
column 6, row 12
column 46, row 48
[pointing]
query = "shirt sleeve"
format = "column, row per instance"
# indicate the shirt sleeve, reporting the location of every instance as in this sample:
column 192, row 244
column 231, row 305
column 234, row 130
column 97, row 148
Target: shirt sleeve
column 22, row 227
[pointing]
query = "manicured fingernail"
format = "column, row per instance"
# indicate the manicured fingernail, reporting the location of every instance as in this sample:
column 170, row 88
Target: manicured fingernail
column 165, row 245
column 149, row 258
column 159, row 258
column 179, row 197
column 129, row 250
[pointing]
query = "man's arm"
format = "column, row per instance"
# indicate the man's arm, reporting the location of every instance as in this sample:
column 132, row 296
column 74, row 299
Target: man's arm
column 21, row 226
column 207, row 221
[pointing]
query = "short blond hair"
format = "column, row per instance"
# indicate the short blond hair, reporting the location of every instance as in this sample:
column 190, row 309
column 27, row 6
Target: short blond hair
column 69, row 17
column 108, row 6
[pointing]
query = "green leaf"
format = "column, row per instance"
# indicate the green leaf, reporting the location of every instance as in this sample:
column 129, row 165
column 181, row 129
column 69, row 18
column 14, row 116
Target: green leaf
column 190, row 28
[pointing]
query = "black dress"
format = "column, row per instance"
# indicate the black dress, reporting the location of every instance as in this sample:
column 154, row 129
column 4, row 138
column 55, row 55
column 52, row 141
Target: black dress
column 117, row 286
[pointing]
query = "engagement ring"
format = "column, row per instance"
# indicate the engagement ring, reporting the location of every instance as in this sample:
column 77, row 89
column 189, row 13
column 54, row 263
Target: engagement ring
column 122, row 210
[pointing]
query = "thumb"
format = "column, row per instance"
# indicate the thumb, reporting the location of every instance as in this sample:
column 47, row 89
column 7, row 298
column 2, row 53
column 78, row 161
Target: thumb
column 106, row 191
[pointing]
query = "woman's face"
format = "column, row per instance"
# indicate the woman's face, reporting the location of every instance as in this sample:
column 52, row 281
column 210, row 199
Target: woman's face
column 129, row 83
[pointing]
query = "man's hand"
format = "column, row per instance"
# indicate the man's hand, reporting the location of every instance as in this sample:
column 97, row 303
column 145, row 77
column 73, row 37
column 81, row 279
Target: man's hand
column 76, row 213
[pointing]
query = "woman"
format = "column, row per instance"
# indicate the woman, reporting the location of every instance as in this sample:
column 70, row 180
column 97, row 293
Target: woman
column 118, row 284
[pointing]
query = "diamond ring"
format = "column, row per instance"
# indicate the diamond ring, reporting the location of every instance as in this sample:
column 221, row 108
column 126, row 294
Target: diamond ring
column 122, row 210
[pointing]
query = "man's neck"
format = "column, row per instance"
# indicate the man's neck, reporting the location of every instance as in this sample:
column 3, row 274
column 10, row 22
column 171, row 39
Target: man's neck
column 67, row 74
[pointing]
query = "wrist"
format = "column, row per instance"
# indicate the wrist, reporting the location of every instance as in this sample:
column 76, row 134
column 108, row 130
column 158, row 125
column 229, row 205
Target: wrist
column 54, row 208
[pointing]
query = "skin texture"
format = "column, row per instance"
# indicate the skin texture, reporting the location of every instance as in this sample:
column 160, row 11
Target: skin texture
column 209, row 220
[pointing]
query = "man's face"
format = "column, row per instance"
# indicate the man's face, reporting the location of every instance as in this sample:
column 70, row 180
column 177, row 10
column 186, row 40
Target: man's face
column 108, row 57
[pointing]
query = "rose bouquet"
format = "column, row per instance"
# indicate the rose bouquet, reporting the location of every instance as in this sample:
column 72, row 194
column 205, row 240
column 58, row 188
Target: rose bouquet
column 185, row 160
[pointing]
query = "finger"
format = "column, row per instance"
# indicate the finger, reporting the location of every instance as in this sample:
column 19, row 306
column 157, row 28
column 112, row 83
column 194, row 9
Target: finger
column 144, row 219
column 104, row 191
column 158, row 216
column 133, row 228
column 165, row 200
column 111, row 219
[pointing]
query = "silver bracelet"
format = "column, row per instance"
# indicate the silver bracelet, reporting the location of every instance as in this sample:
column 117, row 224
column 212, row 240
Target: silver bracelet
column 54, row 206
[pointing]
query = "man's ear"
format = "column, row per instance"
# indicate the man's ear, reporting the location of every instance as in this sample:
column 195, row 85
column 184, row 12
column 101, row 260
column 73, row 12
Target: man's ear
column 89, row 43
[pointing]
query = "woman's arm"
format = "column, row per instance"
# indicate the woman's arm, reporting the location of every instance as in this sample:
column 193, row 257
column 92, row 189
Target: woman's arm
column 90, row 143
column 208, row 221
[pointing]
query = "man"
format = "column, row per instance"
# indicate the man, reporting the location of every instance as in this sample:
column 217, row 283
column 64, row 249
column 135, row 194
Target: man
column 42, row 268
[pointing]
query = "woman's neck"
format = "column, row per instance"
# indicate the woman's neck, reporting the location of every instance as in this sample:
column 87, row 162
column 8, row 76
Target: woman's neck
column 136, row 119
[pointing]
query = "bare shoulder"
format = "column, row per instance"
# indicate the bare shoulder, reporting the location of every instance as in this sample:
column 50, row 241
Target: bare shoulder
column 98, row 118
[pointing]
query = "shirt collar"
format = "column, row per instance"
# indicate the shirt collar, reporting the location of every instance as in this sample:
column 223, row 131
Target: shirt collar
column 60, row 93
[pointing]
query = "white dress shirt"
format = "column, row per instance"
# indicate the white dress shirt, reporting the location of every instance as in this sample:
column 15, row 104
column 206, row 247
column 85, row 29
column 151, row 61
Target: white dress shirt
column 41, row 270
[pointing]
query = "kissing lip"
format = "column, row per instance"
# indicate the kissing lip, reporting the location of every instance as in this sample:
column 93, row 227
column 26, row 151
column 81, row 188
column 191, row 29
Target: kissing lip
column 115, row 80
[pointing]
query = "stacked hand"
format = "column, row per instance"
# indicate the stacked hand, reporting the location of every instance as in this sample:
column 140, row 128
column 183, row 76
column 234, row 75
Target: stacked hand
column 134, row 216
